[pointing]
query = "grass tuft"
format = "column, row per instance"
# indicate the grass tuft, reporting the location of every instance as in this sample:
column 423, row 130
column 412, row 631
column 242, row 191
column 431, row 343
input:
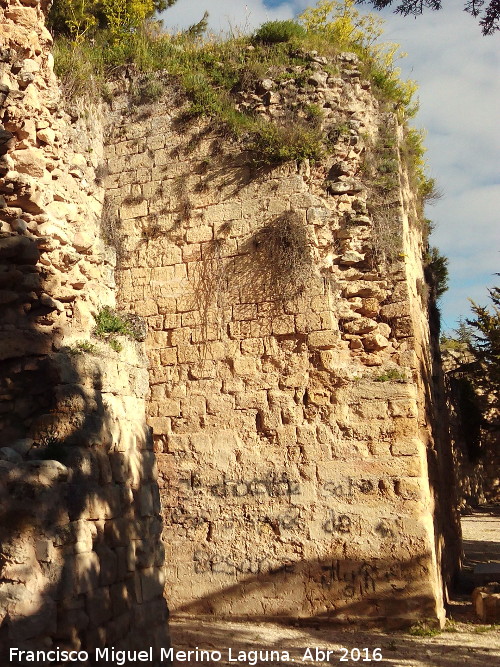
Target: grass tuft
column 424, row 629
column 108, row 322
column 275, row 144
column 391, row 375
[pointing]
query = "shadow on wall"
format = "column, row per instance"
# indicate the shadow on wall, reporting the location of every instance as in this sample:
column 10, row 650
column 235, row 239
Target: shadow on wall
column 80, row 549
column 371, row 592
column 442, row 469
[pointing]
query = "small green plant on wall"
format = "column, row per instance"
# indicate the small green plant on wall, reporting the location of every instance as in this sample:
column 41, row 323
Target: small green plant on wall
column 82, row 347
column 110, row 324
column 115, row 345
column 392, row 375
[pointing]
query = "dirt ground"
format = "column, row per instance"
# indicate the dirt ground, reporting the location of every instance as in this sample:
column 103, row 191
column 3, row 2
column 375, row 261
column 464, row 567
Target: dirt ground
column 467, row 645
column 481, row 535
column 465, row 641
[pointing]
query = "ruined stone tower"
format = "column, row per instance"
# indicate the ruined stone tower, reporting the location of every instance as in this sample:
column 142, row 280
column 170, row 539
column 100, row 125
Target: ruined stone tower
column 289, row 360
column 290, row 398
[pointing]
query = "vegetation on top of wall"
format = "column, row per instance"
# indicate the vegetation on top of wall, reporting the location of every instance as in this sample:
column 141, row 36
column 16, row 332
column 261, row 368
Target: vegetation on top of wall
column 213, row 73
column 413, row 152
column 82, row 19
column 339, row 23
column 436, row 277
column 94, row 38
column 274, row 32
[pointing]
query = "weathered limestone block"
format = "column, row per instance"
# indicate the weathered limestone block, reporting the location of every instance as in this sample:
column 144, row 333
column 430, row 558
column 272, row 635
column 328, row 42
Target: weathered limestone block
column 394, row 310
column 403, row 327
column 360, row 326
column 30, row 161
column 323, row 339
column 486, row 601
column 375, row 342
column 199, row 234
column 347, row 186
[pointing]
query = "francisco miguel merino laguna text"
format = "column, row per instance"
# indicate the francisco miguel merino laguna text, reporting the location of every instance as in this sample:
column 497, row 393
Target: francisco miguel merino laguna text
column 122, row 657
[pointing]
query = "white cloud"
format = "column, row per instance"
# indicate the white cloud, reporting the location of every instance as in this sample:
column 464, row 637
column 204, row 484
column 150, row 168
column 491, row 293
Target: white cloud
column 459, row 89
column 469, row 221
column 224, row 16
column 469, row 234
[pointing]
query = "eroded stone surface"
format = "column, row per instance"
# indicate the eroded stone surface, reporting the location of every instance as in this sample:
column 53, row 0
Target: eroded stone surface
column 292, row 469
column 288, row 405
column 81, row 554
column 486, row 601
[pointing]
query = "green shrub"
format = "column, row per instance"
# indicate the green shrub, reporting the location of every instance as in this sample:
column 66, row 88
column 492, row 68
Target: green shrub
column 149, row 89
column 388, row 166
column 275, row 32
column 275, row 144
column 198, row 29
column 314, row 114
column 86, row 346
column 413, row 152
column 391, row 87
column 428, row 190
column 108, row 322
column 436, row 272
column 205, row 99
column 82, row 346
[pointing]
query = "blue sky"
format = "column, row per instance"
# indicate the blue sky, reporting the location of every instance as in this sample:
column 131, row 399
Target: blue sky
column 458, row 72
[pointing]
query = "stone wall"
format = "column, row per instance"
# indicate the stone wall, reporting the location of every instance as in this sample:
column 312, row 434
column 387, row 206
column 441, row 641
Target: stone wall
column 289, row 397
column 81, row 554
column 286, row 345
